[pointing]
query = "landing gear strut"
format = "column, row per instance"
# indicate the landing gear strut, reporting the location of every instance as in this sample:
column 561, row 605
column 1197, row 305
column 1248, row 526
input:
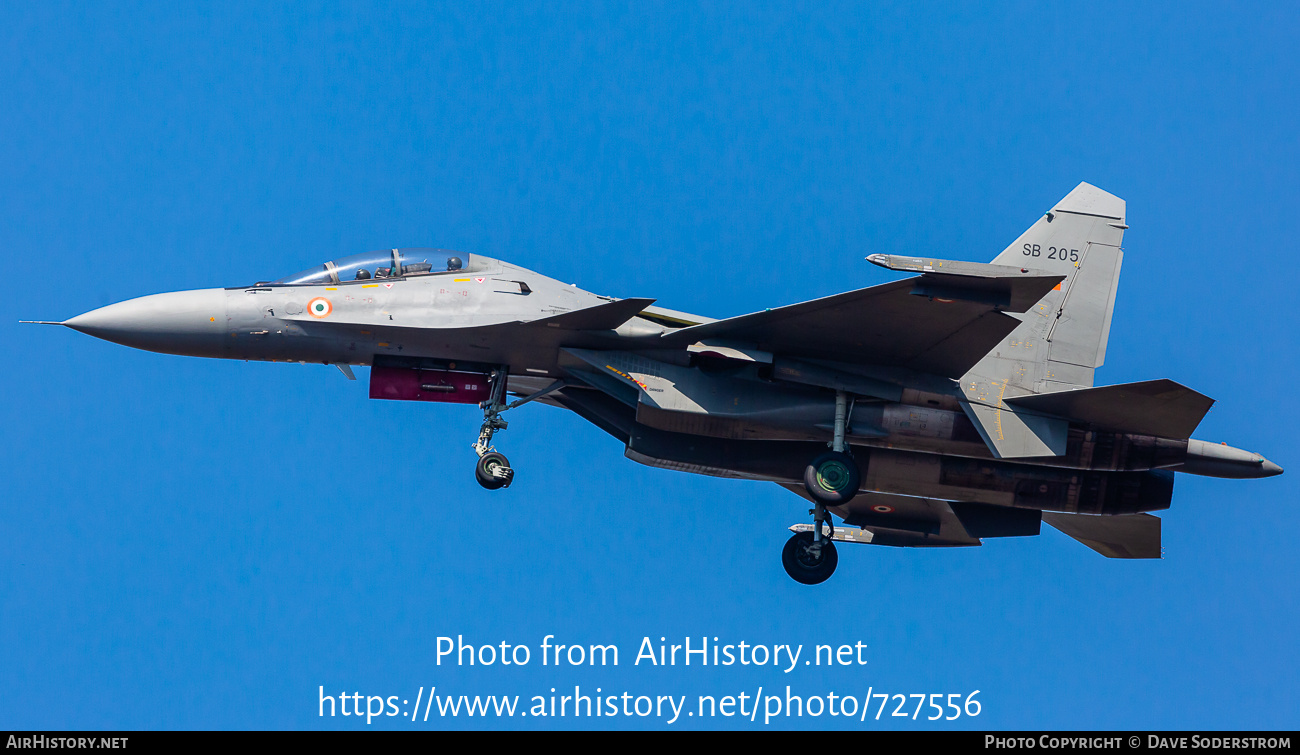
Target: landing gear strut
column 493, row 470
column 832, row 478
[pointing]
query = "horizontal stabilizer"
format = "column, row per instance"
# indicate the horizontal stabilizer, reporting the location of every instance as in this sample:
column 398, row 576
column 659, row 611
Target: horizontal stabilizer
column 606, row 316
column 1154, row 407
column 1131, row 536
column 1015, row 289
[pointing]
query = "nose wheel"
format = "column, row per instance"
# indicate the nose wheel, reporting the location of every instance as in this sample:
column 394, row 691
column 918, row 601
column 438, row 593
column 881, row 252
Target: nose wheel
column 493, row 471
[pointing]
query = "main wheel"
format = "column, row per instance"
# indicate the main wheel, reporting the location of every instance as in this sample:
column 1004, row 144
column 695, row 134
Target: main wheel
column 802, row 565
column 832, row 478
column 493, row 471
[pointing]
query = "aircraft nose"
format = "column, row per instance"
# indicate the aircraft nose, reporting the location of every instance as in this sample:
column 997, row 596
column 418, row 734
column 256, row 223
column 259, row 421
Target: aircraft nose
column 181, row 322
column 1270, row 469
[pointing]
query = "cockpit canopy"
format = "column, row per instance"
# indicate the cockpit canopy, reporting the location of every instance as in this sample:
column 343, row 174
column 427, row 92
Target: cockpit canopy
column 383, row 264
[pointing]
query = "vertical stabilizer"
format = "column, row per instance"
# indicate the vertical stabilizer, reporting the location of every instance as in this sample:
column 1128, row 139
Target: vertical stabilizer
column 1062, row 339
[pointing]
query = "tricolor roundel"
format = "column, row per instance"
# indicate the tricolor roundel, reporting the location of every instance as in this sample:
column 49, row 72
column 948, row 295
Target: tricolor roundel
column 320, row 307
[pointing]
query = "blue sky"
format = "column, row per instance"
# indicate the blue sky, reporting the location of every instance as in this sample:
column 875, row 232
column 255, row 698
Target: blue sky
column 201, row 544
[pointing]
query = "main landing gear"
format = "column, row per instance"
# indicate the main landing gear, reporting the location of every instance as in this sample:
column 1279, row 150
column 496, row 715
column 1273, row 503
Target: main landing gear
column 493, row 470
column 808, row 559
column 830, row 479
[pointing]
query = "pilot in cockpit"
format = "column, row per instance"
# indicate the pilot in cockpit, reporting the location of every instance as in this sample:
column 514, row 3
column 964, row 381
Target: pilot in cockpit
column 396, row 263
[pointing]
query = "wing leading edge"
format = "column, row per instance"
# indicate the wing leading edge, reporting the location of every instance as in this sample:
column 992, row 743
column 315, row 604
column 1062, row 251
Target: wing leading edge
column 929, row 323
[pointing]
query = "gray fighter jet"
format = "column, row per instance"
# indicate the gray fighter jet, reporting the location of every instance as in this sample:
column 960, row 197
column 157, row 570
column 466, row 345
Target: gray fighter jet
column 953, row 405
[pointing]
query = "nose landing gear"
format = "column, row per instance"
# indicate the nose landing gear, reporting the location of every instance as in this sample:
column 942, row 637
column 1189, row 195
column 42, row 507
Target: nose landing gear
column 493, row 470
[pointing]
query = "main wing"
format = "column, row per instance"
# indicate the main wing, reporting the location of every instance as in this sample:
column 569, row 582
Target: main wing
column 916, row 323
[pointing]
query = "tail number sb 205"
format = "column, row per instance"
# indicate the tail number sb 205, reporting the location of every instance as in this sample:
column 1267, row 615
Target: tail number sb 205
column 1036, row 250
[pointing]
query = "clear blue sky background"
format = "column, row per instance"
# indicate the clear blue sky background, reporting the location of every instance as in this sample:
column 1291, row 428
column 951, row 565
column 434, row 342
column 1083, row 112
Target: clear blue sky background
column 199, row 544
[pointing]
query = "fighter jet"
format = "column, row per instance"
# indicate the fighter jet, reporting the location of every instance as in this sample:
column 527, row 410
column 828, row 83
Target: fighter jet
column 953, row 405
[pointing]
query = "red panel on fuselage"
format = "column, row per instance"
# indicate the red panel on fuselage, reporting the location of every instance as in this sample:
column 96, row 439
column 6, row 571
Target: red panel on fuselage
column 406, row 384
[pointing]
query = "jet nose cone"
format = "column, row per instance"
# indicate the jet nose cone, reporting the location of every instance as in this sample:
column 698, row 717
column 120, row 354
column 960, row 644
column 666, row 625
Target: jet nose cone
column 1270, row 469
column 182, row 322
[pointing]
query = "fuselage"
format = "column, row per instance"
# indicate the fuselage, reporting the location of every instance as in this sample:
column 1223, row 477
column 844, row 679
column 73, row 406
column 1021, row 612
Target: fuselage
column 446, row 314
column 744, row 414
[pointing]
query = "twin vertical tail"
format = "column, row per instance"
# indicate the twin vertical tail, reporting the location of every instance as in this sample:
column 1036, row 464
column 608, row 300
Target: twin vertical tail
column 1062, row 339
column 1067, row 331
